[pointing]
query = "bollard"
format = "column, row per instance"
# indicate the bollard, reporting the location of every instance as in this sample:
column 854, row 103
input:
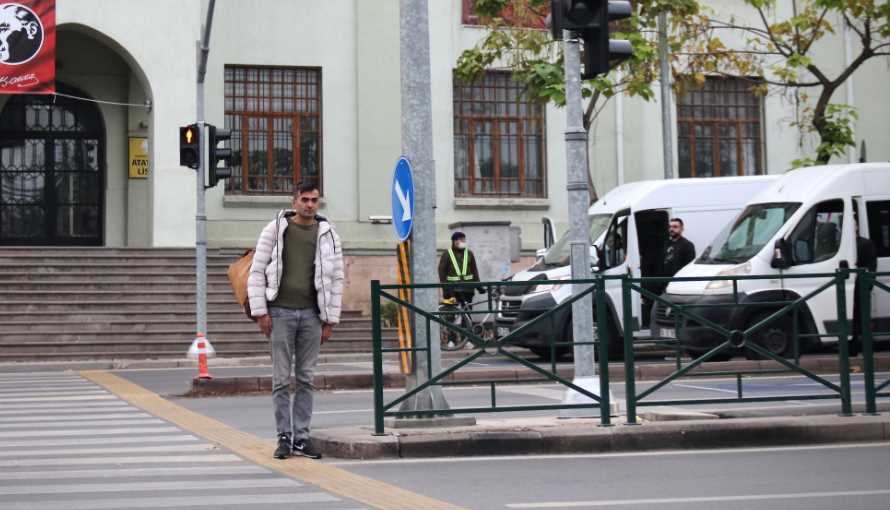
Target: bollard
column 203, row 373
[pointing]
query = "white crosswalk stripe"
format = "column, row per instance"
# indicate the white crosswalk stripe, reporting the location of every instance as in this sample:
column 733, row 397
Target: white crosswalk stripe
column 67, row 443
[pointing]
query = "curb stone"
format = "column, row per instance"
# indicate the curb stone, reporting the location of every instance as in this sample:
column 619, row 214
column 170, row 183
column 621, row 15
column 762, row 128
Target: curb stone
column 358, row 443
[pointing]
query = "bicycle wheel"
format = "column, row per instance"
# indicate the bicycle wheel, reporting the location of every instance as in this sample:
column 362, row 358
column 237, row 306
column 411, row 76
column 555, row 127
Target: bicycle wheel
column 451, row 339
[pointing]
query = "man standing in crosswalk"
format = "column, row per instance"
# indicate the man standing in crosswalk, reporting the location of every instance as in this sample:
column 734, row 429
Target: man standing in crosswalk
column 295, row 289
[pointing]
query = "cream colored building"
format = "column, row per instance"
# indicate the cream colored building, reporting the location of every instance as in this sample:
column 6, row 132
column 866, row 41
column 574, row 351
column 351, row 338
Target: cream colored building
column 312, row 89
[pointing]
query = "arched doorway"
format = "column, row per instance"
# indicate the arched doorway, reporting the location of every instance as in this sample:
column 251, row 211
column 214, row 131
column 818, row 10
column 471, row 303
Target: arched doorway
column 52, row 171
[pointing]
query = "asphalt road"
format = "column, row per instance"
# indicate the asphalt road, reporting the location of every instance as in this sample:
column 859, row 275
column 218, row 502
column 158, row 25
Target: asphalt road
column 355, row 407
column 852, row 477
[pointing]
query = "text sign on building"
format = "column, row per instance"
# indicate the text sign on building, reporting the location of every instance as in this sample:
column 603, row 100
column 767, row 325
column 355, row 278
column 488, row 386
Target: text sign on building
column 28, row 47
column 139, row 158
column 403, row 199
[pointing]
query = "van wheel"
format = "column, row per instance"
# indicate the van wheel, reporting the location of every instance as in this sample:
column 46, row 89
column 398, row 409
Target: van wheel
column 775, row 337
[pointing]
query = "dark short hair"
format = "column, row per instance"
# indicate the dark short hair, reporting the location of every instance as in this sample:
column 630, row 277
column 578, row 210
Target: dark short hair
column 678, row 220
column 305, row 187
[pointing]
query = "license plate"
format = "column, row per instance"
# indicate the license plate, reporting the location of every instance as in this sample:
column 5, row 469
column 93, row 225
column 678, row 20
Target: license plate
column 503, row 332
column 668, row 333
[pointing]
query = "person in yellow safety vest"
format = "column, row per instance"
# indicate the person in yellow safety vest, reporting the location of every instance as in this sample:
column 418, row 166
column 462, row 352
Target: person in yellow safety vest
column 458, row 265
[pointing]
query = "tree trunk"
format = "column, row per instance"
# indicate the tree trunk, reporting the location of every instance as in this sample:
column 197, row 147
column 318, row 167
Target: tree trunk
column 820, row 122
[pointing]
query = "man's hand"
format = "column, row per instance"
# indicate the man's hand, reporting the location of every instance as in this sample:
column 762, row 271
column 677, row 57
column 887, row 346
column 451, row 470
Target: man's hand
column 265, row 323
column 326, row 331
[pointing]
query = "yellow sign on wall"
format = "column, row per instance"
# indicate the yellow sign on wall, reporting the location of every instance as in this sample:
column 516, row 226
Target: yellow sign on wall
column 139, row 158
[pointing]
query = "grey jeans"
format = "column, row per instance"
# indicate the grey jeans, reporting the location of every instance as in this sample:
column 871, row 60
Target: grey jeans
column 295, row 340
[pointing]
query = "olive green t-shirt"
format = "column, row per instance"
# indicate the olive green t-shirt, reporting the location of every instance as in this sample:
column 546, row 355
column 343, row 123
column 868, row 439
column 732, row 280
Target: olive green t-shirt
column 297, row 290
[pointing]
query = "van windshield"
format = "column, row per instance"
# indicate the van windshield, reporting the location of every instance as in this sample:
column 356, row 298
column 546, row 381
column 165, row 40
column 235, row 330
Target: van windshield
column 560, row 253
column 748, row 234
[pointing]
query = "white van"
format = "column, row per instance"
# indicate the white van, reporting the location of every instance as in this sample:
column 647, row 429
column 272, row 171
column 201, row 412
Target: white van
column 802, row 224
column 628, row 227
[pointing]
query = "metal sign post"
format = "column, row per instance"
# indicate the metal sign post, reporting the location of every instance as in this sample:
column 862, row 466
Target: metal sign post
column 417, row 145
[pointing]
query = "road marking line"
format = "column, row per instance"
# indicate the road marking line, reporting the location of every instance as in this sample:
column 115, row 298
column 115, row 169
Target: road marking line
column 655, row 453
column 343, row 411
column 338, row 481
column 186, row 501
column 52, row 424
column 42, row 441
column 176, row 448
column 54, row 399
column 706, row 388
column 86, row 417
column 75, row 488
column 70, row 474
column 87, row 432
column 713, row 499
column 159, row 459
column 80, row 406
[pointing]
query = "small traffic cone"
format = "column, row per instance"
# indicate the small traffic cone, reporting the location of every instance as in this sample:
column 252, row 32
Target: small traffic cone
column 203, row 373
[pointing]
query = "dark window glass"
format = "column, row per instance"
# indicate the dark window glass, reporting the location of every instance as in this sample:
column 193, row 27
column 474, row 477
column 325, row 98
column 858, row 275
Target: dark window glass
column 879, row 226
column 818, row 235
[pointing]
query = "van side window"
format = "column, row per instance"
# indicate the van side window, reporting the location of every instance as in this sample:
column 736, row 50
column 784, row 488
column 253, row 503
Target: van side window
column 615, row 246
column 879, row 226
column 818, row 236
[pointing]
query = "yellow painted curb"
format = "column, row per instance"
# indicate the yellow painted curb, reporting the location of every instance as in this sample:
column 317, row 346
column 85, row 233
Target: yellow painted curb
column 332, row 479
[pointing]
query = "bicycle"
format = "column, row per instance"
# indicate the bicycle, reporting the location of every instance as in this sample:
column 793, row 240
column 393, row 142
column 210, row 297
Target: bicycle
column 458, row 312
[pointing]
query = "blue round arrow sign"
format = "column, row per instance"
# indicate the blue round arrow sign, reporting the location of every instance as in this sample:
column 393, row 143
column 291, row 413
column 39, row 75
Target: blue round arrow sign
column 403, row 199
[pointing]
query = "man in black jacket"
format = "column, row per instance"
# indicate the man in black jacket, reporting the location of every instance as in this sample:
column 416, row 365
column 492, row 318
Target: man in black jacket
column 458, row 265
column 678, row 251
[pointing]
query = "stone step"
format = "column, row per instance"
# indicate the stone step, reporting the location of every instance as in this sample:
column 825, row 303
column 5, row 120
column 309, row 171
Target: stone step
column 213, row 267
column 114, row 296
column 352, row 320
column 129, row 326
column 134, row 259
column 133, row 287
column 171, row 333
column 63, row 251
column 223, row 346
column 9, row 278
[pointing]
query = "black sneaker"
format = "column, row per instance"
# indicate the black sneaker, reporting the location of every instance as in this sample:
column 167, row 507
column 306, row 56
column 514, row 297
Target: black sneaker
column 305, row 448
column 285, row 448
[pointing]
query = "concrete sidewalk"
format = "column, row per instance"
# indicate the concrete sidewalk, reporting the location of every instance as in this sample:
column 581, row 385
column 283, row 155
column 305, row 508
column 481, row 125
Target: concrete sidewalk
column 531, row 436
column 392, row 378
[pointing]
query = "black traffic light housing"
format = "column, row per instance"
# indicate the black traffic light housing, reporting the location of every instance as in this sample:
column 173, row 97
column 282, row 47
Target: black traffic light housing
column 190, row 146
column 590, row 19
column 217, row 155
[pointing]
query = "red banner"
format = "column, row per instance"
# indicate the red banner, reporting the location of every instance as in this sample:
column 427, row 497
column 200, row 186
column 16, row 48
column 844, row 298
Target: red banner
column 28, row 47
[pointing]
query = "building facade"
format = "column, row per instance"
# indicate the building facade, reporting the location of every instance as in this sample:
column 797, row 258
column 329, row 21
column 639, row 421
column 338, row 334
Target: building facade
column 311, row 90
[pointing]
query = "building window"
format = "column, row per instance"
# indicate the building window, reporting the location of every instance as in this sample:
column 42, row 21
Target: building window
column 720, row 130
column 274, row 114
column 499, row 139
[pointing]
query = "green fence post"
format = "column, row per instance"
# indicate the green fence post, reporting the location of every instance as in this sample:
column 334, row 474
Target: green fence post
column 843, row 338
column 602, row 337
column 377, row 340
column 866, row 284
column 629, row 375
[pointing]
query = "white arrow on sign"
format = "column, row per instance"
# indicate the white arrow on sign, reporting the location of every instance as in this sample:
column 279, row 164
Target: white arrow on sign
column 405, row 200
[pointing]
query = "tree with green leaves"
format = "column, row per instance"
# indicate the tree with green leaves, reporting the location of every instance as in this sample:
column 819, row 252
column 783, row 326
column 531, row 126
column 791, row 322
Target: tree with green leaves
column 776, row 50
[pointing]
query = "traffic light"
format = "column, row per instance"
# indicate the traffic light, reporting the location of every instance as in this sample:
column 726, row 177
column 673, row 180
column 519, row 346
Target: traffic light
column 590, row 19
column 189, row 146
column 217, row 155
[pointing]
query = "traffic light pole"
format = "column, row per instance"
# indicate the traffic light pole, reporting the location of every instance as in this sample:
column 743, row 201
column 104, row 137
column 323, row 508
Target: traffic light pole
column 579, row 196
column 200, row 206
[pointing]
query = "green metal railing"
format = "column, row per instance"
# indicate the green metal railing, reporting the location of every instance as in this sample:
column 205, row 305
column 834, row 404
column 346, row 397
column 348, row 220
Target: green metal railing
column 873, row 389
column 738, row 340
column 730, row 340
column 481, row 346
